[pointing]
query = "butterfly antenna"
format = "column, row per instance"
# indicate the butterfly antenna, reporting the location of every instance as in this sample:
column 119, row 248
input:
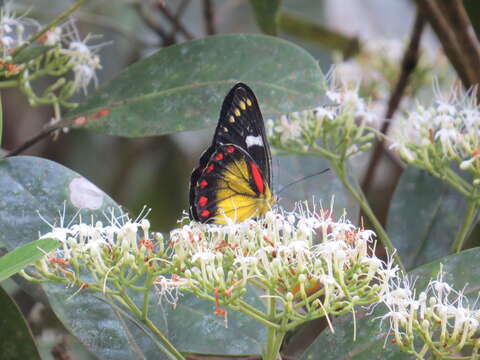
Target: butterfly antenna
column 302, row 178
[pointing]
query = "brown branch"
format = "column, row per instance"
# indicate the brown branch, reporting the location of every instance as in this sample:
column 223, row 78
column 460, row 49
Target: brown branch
column 409, row 62
column 152, row 23
column 180, row 10
column 176, row 22
column 208, row 13
column 446, row 35
column 460, row 23
column 32, row 141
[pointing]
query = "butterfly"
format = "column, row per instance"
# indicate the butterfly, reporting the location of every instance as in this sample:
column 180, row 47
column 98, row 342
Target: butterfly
column 233, row 179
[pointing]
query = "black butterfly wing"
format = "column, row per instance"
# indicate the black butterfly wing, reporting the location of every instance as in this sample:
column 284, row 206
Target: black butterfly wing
column 241, row 124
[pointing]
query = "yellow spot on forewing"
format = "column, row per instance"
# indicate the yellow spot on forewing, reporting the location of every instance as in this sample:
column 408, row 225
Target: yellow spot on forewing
column 236, row 112
column 242, row 105
column 249, row 102
column 231, row 119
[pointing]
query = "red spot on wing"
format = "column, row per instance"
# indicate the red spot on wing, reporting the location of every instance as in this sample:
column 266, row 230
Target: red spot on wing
column 230, row 149
column 210, row 168
column 257, row 177
column 80, row 120
column 219, row 156
column 203, row 184
column 101, row 113
column 205, row 213
column 202, row 201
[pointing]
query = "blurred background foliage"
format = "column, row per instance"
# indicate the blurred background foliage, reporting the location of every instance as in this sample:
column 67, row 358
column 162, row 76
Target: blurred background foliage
column 155, row 171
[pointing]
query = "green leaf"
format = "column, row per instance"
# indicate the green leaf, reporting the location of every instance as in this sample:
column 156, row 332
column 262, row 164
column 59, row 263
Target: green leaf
column 424, row 217
column 191, row 326
column 304, row 29
column 182, row 86
column 460, row 272
column 30, row 53
column 35, row 192
column 318, row 189
column 266, row 14
column 16, row 339
column 243, row 335
column 25, row 255
column 30, row 187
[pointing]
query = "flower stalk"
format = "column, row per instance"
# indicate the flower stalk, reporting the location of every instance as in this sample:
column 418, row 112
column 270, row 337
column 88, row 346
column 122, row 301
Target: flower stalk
column 468, row 221
column 336, row 133
column 58, row 20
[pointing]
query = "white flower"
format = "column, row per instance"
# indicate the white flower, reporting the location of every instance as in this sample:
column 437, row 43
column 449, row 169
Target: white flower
column 440, row 314
column 82, row 57
column 288, row 129
column 447, row 130
column 102, row 248
column 323, row 112
column 12, row 29
column 53, row 36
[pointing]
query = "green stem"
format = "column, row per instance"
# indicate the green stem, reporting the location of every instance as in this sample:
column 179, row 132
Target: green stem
column 146, row 295
column 162, row 338
column 165, row 342
column 457, row 182
column 339, row 168
column 256, row 316
column 252, row 309
column 1, row 120
column 52, row 24
column 8, row 84
column 472, row 210
column 274, row 334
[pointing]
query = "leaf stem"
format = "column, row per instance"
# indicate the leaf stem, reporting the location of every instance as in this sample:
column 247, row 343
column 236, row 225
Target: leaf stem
column 162, row 338
column 52, row 24
column 165, row 342
column 471, row 214
column 146, row 295
column 339, row 168
column 275, row 335
column 1, row 120
column 8, row 84
column 42, row 134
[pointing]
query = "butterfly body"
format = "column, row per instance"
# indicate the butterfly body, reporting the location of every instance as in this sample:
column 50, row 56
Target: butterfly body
column 233, row 179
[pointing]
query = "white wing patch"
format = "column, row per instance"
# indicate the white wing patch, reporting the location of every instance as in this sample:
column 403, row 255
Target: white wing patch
column 253, row 140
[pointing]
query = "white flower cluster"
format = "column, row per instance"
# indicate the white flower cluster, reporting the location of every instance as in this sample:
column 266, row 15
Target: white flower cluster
column 82, row 57
column 303, row 259
column 376, row 68
column 65, row 39
column 448, row 131
column 92, row 253
column 341, row 126
column 12, row 29
column 439, row 322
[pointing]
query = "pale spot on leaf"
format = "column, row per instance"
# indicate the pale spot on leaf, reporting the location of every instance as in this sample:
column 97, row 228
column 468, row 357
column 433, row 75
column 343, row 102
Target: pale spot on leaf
column 85, row 195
